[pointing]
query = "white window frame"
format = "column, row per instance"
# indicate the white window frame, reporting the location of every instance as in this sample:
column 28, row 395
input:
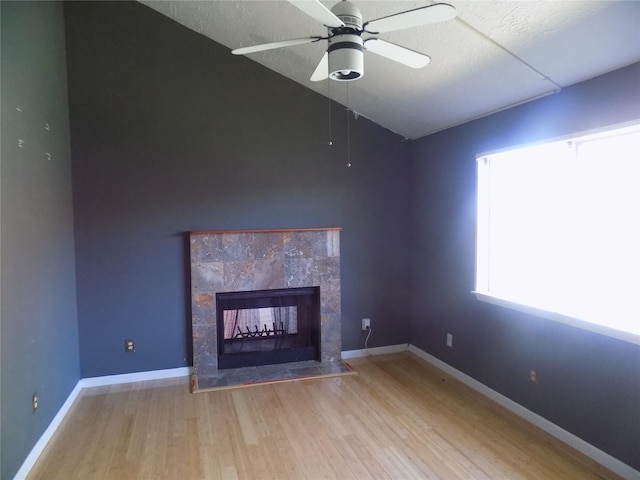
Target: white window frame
column 482, row 292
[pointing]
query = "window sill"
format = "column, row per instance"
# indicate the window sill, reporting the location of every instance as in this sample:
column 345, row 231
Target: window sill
column 556, row 317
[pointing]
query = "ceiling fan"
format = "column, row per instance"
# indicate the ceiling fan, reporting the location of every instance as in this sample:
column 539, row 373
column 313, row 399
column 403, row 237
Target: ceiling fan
column 344, row 58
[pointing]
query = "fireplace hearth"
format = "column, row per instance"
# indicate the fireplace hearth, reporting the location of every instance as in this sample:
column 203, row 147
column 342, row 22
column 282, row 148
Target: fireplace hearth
column 237, row 280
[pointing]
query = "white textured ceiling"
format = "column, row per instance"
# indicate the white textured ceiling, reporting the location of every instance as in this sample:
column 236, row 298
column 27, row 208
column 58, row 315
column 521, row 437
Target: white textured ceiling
column 495, row 54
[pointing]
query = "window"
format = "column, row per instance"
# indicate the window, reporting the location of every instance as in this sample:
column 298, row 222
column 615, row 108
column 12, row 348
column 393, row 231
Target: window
column 559, row 231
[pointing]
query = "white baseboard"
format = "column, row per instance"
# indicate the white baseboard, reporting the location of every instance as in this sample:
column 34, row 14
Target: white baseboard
column 135, row 377
column 603, row 458
column 37, row 449
column 403, row 347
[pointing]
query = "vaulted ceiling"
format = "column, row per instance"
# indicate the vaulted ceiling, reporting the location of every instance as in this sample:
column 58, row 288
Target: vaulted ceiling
column 495, row 54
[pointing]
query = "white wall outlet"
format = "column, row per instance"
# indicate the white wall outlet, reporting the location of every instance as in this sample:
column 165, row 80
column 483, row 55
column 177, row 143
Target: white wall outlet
column 366, row 323
column 35, row 401
column 449, row 340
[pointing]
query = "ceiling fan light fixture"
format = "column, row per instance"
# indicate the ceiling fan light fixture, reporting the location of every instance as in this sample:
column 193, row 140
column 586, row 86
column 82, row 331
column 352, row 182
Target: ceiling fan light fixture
column 346, row 57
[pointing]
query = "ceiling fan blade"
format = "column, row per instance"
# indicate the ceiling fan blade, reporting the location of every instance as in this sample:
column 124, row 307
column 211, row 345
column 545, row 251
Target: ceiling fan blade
column 399, row 54
column 322, row 70
column 438, row 12
column 271, row 46
column 319, row 12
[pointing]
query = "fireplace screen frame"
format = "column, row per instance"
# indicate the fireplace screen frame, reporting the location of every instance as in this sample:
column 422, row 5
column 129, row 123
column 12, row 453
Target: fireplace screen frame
column 274, row 345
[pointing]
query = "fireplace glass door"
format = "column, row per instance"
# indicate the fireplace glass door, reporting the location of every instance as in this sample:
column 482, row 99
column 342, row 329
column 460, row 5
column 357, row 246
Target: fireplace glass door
column 268, row 327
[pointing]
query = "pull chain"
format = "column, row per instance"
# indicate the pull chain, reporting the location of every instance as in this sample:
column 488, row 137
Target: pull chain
column 348, row 130
column 330, row 120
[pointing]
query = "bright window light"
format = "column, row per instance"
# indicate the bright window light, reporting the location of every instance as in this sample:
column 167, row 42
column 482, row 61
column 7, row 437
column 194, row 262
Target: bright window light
column 559, row 231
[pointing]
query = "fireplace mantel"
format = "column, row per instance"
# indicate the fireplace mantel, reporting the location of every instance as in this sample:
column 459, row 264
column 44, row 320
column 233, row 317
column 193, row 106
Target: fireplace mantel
column 248, row 260
column 272, row 230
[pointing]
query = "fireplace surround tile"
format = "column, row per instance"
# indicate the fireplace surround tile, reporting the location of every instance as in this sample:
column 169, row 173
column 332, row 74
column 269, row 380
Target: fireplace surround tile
column 228, row 261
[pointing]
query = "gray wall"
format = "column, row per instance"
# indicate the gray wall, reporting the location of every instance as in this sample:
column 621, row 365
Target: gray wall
column 172, row 133
column 589, row 384
column 39, row 328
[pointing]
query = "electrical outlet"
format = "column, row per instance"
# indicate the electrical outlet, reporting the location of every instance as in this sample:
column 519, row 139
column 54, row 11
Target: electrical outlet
column 366, row 323
column 129, row 345
column 449, row 340
column 34, row 401
column 533, row 375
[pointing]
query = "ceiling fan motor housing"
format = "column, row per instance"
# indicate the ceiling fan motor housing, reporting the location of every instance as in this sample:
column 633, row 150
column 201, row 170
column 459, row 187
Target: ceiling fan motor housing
column 346, row 51
column 349, row 14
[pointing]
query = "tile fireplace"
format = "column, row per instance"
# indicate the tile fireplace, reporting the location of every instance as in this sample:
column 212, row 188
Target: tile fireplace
column 263, row 282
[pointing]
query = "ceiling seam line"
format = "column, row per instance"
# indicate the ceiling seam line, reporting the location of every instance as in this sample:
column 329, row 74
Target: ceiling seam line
column 492, row 112
column 509, row 52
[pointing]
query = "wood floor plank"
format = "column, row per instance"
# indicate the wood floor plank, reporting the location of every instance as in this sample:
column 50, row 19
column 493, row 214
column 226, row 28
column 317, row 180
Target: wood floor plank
column 399, row 418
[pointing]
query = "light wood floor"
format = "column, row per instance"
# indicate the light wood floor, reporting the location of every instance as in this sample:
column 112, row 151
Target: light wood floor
column 398, row 418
